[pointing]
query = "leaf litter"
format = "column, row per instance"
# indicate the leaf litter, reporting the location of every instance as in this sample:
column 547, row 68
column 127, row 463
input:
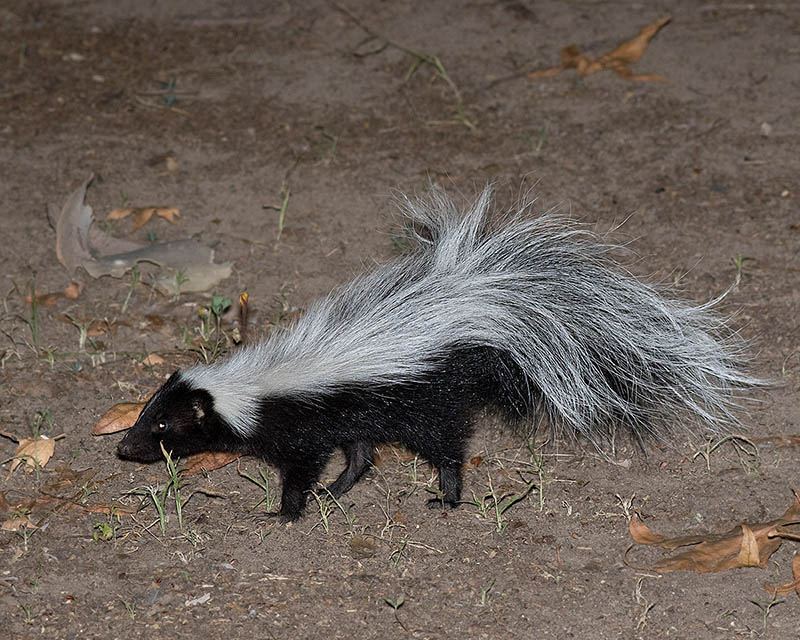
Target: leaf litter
column 618, row 60
column 82, row 245
column 123, row 416
column 746, row 545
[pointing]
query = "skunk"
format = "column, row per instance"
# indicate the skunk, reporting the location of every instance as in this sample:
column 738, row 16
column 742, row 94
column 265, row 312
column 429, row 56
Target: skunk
column 527, row 314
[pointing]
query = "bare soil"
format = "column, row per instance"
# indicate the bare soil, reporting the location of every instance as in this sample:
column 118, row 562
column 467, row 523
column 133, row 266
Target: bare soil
column 700, row 175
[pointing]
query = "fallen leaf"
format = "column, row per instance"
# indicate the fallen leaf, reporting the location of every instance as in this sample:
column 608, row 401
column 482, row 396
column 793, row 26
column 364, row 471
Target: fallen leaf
column 43, row 299
column 73, row 290
column 362, row 546
column 119, row 214
column 617, row 60
column 141, row 217
column 12, row 524
column 80, row 244
column 749, row 552
column 745, row 546
column 794, row 585
column 202, row 462
column 796, row 572
column 168, row 214
column 152, row 360
column 33, row 453
column 118, row 418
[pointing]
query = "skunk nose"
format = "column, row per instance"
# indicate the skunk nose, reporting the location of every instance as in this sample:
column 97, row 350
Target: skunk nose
column 124, row 447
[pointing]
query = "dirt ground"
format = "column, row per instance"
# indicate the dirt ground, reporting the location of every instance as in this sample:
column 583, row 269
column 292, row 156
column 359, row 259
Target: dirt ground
column 221, row 109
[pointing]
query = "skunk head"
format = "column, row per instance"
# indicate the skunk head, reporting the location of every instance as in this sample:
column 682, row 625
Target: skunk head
column 180, row 417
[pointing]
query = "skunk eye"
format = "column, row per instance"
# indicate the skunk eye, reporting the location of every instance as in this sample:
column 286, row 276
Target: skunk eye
column 162, row 427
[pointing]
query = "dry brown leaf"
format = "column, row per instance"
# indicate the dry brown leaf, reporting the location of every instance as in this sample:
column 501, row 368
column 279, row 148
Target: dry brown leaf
column 141, row 217
column 796, row 572
column 632, row 50
column 749, row 552
column 744, row 546
column 119, row 214
column 73, row 290
column 12, row 524
column 168, row 213
column 203, row 462
column 641, row 534
column 617, row 60
column 794, row 585
column 118, row 418
column 152, row 360
column 43, row 299
column 33, row 453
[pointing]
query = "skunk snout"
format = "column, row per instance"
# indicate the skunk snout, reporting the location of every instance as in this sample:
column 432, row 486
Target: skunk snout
column 138, row 447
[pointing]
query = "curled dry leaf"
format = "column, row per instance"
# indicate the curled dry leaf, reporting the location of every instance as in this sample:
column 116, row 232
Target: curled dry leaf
column 43, row 299
column 82, row 245
column 203, row 462
column 617, row 60
column 745, row 546
column 794, row 585
column 118, row 418
column 33, row 453
column 12, row 524
column 152, row 360
column 141, row 215
column 73, row 290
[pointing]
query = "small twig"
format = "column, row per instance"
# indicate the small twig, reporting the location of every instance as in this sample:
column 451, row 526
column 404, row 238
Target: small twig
column 421, row 58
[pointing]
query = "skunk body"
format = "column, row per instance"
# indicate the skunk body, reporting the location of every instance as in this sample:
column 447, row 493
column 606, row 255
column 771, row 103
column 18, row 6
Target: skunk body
column 530, row 315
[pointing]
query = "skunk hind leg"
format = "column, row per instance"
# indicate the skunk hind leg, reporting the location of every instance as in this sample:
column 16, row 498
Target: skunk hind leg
column 359, row 456
column 449, row 485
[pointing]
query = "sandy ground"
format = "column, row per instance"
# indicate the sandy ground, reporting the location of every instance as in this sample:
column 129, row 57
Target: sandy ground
column 251, row 100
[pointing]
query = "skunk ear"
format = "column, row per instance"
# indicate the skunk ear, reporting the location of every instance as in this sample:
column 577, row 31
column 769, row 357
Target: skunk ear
column 199, row 408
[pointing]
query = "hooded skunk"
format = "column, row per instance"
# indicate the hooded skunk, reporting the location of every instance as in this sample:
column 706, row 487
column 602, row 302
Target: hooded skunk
column 530, row 315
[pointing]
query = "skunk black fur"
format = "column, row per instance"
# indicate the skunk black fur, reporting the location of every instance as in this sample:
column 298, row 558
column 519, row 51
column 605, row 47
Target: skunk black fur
column 527, row 314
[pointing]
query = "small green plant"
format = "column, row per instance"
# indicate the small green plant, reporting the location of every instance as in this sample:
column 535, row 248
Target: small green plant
column 130, row 607
column 26, row 533
column 160, row 495
column 174, row 483
column 738, row 262
column 485, row 592
column 29, row 617
column 746, row 450
column 396, row 604
column 397, row 554
column 211, row 327
column 766, row 608
column 135, row 275
column 264, row 483
column 325, row 508
column 179, row 277
column 281, row 209
column 326, row 503
column 102, row 532
column 537, row 459
column 496, row 505
column 83, row 330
